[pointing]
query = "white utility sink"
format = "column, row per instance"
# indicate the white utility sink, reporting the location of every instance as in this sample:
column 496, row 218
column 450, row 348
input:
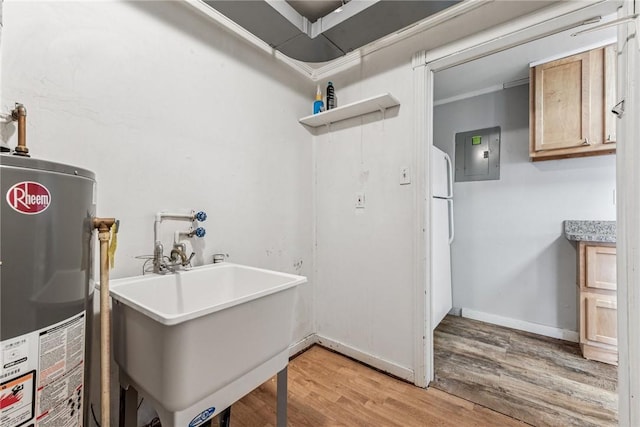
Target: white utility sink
column 196, row 341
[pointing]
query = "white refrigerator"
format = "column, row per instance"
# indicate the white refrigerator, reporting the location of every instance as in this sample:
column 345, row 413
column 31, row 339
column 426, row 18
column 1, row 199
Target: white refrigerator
column 441, row 234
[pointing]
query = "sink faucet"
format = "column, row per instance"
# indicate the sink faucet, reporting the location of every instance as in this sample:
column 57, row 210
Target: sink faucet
column 178, row 256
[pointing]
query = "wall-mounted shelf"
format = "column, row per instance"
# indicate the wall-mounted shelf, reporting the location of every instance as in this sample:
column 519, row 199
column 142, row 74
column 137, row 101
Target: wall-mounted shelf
column 355, row 109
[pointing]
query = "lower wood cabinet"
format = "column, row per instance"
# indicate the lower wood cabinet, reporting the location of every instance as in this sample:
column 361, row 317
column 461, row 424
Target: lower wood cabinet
column 598, row 304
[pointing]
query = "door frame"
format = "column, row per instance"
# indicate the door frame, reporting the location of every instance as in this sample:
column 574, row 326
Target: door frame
column 549, row 21
column 628, row 218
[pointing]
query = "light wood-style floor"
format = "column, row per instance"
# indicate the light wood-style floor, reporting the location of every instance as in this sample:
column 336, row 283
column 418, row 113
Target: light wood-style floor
column 327, row 389
column 539, row 380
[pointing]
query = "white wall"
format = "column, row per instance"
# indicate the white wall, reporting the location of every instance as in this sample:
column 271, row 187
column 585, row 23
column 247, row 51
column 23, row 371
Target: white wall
column 509, row 256
column 365, row 256
column 365, row 283
column 170, row 112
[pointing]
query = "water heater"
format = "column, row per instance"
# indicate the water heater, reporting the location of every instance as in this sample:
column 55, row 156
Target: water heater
column 46, row 292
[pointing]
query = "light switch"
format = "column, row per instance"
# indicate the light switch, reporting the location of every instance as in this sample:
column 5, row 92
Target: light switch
column 405, row 175
column 359, row 200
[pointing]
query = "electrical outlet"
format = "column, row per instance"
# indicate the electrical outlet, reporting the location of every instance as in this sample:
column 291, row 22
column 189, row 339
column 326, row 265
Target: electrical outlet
column 359, row 200
column 405, row 175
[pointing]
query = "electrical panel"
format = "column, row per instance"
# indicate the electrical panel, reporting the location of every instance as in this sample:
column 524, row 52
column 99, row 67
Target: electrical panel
column 478, row 155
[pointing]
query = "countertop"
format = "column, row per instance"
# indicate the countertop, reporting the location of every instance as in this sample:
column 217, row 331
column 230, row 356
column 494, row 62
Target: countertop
column 590, row 231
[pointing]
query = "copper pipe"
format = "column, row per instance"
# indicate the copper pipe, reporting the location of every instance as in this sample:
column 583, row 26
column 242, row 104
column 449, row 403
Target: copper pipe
column 19, row 114
column 104, row 226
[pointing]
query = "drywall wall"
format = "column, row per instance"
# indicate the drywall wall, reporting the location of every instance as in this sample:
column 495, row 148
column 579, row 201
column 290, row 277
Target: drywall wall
column 171, row 113
column 509, row 256
column 365, row 257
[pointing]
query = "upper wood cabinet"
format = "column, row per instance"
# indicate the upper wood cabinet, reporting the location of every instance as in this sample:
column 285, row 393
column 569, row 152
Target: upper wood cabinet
column 571, row 99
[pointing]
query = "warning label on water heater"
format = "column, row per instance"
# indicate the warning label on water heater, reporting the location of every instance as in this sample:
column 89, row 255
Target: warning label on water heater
column 17, row 400
column 42, row 376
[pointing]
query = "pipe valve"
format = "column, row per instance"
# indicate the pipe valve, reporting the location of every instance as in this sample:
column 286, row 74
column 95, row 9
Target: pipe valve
column 201, row 216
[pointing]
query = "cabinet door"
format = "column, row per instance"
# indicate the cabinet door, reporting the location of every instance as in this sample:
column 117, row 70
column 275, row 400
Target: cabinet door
column 571, row 100
column 600, row 319
column 600, row 267
column 562, row 103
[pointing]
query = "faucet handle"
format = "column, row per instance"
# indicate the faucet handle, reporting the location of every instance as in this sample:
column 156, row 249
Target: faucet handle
column 201, row 216
column 190, row 258
column 200, row 232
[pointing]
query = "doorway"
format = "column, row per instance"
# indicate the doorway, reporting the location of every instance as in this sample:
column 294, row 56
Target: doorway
column 451, row 56
column 511, row 264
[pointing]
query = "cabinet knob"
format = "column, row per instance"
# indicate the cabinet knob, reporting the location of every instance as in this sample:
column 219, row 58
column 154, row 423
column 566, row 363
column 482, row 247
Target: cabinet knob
column 586, row 142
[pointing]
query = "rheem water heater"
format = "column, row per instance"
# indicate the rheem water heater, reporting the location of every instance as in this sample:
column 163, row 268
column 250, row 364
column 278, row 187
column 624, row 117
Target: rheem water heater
column 46, row 292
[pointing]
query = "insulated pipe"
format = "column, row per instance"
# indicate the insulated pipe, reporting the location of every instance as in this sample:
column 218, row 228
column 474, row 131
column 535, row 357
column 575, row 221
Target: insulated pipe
column 177, row 216
column 198, row 232
column 104, row 226
column 177, row 235
column 160, row 216
column 191, row 216
column 157, row 243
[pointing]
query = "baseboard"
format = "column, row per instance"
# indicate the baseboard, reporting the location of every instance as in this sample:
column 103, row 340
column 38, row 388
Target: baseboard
column 303, row 344
column 368, row 359
column 547, row 331
column 455, row 311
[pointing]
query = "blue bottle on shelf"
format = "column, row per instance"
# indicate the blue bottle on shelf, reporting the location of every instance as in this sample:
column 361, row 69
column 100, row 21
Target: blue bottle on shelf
column 318, row 105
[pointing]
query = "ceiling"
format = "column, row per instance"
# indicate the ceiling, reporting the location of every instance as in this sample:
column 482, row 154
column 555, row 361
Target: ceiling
column 287, row 26
column 512, row 65
column 309, row 31
column 315, row 9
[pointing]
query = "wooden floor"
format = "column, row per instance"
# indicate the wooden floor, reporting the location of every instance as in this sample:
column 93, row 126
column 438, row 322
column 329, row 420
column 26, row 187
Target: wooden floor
column 539, row 380
column 326, row 389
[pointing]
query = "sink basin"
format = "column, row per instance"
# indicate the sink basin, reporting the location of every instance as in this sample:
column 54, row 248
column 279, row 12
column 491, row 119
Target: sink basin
column 196, row 341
